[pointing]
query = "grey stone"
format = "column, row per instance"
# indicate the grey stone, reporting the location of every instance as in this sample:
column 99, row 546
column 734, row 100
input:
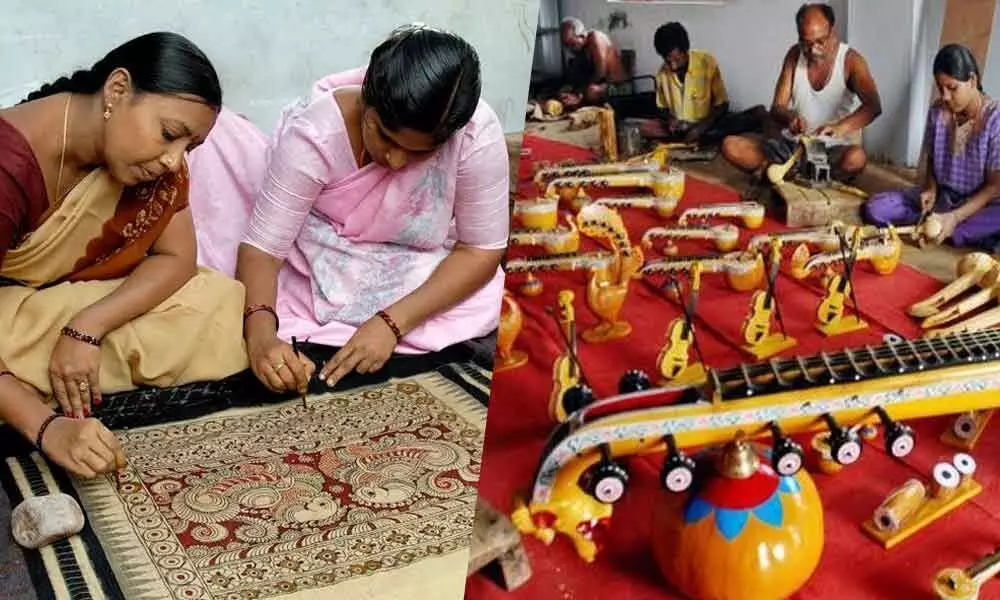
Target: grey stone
column 42, row 520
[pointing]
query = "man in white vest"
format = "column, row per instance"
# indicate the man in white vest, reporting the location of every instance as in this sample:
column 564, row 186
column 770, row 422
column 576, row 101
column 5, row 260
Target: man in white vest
column 825, row 89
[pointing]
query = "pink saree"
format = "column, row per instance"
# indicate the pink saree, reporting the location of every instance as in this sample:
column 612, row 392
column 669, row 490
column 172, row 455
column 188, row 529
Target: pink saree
column 355, row 240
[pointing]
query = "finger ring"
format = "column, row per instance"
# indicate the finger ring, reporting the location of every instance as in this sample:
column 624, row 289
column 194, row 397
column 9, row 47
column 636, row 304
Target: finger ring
column 83, row 386
column 278, row 367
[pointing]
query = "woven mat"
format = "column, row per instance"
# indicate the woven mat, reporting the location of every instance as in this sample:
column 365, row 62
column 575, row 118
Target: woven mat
column 362, row 494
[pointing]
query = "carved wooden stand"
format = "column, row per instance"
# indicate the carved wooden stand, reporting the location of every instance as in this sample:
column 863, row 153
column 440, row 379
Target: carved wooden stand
column 495, row 540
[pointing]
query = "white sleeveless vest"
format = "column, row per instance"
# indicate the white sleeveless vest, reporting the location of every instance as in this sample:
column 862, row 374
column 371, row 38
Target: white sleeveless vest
column 833, row 102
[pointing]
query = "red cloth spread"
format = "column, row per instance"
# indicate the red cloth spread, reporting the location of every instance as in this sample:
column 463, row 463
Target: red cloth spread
column 853, row 566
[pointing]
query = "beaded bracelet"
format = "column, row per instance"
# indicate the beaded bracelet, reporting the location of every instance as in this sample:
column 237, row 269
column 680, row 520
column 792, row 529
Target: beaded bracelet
column 41, row 430
column 81, row 336
column 392, row 324
column 253, row 308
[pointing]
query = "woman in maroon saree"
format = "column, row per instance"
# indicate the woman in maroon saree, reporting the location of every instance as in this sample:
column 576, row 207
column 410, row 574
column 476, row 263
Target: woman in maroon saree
column 101, row 291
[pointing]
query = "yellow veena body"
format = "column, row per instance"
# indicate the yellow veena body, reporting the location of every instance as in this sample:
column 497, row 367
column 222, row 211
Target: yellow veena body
column 950, row 374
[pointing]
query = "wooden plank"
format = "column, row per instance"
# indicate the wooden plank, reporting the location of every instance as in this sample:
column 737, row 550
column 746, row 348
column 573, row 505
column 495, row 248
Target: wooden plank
column 495, row 540
column 969, row 22
column 801, row 206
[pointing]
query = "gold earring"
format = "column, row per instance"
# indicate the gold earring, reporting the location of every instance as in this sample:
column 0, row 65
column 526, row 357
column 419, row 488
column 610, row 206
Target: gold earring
column 107, row 112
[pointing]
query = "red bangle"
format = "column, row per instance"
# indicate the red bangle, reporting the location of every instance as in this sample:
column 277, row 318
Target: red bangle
column 261, row 307
column 392, row 324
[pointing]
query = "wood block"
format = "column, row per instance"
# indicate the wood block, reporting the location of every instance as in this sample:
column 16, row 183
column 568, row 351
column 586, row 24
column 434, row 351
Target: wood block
column 495, row 540
column 930, row 511
column 813, row 207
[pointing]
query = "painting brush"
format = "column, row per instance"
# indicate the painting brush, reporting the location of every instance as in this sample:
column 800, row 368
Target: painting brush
column 295, row 350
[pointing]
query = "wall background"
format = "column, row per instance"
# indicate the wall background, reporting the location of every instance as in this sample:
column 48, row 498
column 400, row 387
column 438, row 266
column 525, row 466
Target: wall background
column 267, row 52
column 750, row 37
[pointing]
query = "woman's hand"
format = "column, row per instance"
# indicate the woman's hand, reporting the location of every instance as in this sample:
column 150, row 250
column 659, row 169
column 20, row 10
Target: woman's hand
column 84, row 447
column 949, row 221
column 366, row 352
column 74, row 370
column 277, row 366
column 927, row 200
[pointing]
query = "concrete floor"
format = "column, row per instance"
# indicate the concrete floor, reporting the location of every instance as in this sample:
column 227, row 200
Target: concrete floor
column 938, row 261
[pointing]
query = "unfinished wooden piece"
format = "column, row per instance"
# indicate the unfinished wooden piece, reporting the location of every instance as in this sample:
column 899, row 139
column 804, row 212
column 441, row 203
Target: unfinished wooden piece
column 970, row 270
column 987, row 319
column 609, row 133
column 776, row 173
column 989, row 289
column 913, row 506
column 966, row 429
column 495, row 540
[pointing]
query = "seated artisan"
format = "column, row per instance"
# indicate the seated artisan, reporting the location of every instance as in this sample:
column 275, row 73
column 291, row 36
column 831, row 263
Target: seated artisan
column 99, row 287
column 825, row 89
column 596, row 62
column 961, row 158
column 691, row 94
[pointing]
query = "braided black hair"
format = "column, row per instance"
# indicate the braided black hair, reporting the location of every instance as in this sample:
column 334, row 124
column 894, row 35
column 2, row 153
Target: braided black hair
column 158, row 63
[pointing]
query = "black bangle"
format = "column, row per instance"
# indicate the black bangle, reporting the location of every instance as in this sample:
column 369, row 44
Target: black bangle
column 81, row 336
column 41, row 430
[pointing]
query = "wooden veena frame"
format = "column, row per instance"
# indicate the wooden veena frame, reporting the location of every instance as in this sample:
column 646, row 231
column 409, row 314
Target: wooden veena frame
column 726, row 237
column 644, row 164
column 562, row 240
column 751, row 214
column 834, row 392
column 883, row 251
column 744, row 271
column 586, row 261
column 669, row 183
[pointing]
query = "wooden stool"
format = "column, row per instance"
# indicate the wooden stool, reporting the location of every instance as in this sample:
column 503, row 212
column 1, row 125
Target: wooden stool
column 496, row 540
column 808, row 207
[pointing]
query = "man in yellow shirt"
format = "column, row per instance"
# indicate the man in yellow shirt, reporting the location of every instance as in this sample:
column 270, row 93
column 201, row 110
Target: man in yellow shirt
column 692, row 96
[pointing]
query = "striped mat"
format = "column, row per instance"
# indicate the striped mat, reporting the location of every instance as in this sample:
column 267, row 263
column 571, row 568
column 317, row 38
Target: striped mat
column 368, row 493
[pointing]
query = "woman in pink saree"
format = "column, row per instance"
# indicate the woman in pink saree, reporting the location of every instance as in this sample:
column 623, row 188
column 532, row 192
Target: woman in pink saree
column 375, row 220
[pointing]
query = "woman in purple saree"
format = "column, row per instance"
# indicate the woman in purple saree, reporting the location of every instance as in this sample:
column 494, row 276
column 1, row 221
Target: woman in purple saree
column 962, row 156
